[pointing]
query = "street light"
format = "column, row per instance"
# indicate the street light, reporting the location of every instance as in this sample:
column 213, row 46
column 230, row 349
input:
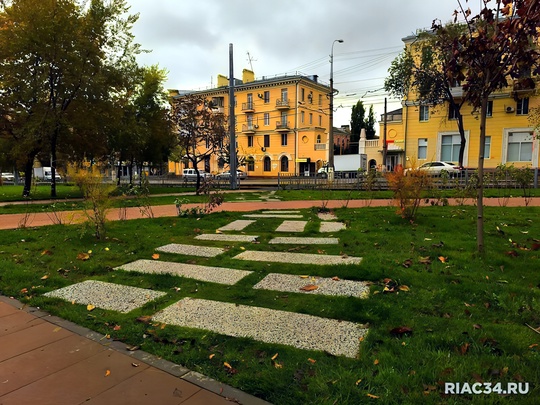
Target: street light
column 331, row 115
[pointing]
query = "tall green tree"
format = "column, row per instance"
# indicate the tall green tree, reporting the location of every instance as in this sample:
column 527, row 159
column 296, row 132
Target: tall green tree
column 420, row 71
column 499, row 47
column 358, row 116
column 369, row 123
column 60, row 62
column 200, row 130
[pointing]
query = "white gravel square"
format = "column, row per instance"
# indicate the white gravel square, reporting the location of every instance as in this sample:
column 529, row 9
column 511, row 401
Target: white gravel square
column 103, row 295
column 221, row 237
column 280, row 212
column 191, row 250
column 331, row 227
column 298, row 258
column 305, row 241
column 340, row 338
column 325, row 286
column 326, row 216
column 221, row 275
column 238, row 225
column 285, row 216
column 292, row 226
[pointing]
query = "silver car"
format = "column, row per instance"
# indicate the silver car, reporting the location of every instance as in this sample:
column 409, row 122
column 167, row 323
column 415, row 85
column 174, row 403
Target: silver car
column 437, row 168
column 226, row 175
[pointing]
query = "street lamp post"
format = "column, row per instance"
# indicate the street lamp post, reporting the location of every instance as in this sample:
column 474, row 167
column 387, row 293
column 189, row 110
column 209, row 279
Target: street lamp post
column 331, row 114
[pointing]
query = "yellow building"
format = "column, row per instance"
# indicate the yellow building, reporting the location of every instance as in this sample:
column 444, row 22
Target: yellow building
column 421, row 133
column 281, row 123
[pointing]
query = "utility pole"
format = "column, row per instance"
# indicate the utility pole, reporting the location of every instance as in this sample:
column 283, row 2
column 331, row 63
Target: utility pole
column 232, row 123
column 331, row 116
column 385, row 145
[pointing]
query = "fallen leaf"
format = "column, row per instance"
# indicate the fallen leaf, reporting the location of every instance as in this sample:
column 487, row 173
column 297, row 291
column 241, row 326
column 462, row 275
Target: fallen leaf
column 155, row 256
column 117, row 327
column 512, row 253
column 533, row 345
column 443, row 259
column 304, row 276
column 477, row 326
column 401, row 331
column 46, row 252
column 464, row 348
column 211, row 356
column 275, row 356
column 90, row 307
column 309, row 287
column 277, row 365
column 135, row 364
column 45, row 277
column 107, row 373
column 407, row 263
column 227, row 365
column 404, row 288
column 218, row 231
column 336, row 278
column 83, row 256
column 144, row 319
column 312, row 361
column 373, row 396
column 358, row 382
column 425, row 260
column 376, row 362
column 24, row 290
column 132, row 348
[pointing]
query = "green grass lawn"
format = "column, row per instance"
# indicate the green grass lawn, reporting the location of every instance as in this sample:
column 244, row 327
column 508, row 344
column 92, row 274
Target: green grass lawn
column 467, row 314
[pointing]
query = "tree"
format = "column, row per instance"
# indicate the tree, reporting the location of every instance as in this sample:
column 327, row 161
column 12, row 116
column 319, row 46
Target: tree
column 60, row 61
column 420, row 70
column 201, row 131
column 358, row 114
column 499, row 46
column 369, row 123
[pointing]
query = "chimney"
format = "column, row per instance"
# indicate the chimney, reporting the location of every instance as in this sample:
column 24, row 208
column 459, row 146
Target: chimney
column 248, row 76
column 222, row 81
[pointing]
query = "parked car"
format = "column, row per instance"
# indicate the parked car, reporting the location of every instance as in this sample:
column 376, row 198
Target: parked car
column 226, row 175
column 436, row 169
column 8, row 177
column 191, row 174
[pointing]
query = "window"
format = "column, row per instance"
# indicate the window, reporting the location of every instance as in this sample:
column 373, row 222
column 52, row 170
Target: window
column 452, row 112
column 284, row 118
column 250, row 141
column 310, row 118
column 251, row 164
column 302, row 116
column 266, row 97
column 519, row 147
column 320, row 121
column 424, row 113
column 422, row 148
column 450, row 145
column 302, row 94
column 249, row 104
column 489, row 109
column 267, row 164
column 320, row 99
column 284, row 95
column 266, row 119
column 266, row 141
column 283, row 139
column 487, row 147
column 318, row 138
column 284, row 164
column 522, row 106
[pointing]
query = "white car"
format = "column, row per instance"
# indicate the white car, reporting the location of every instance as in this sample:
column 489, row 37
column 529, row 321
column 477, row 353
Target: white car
column 226, row 175
column 8, row 177
column 436, row 169
column 191, row 174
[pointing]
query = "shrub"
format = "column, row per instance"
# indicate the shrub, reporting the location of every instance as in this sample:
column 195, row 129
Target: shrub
column 409, row 189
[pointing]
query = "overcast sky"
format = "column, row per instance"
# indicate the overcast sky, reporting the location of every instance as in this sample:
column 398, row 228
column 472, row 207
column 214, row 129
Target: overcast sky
column 190, row 39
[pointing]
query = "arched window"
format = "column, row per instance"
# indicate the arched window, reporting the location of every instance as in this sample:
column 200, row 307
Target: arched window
column 250, row 164
column 267, row 164
column 284, row 164
column 318, row 138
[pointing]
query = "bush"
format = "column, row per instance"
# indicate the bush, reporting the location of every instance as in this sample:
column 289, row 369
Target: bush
column 409, row 189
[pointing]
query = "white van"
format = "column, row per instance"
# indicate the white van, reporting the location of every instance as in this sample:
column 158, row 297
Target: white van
column 191, row 174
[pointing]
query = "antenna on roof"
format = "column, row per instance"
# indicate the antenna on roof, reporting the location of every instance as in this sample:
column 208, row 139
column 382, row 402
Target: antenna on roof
column 250, row 59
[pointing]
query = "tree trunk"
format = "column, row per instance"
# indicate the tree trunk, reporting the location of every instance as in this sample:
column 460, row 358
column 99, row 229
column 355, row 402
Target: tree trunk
column 28, row 172
column 53, row 163
column 480, row 195
column 463, row 142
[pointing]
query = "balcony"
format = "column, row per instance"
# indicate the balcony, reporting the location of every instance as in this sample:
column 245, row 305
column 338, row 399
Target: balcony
column 282, row 104
column 248, row 107
column 282, row 126
column 249, row 128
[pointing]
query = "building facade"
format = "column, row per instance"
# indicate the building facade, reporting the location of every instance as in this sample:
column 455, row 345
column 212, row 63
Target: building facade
column 417, row 133
column 281, row 124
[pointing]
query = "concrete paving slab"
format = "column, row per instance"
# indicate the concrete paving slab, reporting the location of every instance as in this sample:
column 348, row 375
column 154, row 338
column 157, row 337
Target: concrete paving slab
column 222, row 237
column 288, row 216
column 103, row 295
column 298, row 258
column 15, row 322
column 220, row 275
column 340, row 338
column 238, row 225
column 292, row 226
column 326, row 216
column 278, row 212
column 191, row 250
column 305, row 241
column 332, row 227
column 325, row 286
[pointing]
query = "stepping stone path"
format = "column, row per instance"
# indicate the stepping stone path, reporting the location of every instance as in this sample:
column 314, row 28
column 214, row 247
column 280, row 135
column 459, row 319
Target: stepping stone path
column 103, row 295
column 302, row 331
column 313, row 285
column 238, row 225
column 227, row 238
column 308, row 332
column 298, row 258
column 220, row 275
column 292, row 226
column 305, row 241
column 192, row 250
